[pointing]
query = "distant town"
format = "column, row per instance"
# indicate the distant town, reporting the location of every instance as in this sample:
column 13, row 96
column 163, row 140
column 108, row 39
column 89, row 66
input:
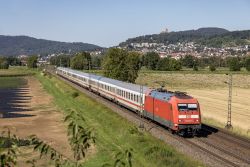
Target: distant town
column 179, row 50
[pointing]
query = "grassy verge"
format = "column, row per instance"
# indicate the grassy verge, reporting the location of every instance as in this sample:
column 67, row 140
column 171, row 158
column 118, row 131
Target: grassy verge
column 114, row 134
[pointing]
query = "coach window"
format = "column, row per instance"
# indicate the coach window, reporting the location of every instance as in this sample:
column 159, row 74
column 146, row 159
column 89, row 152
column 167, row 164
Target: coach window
column 137, row 98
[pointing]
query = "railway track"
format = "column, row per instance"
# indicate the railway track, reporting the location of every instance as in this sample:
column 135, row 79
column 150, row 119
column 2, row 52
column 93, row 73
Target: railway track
column 221, row 155
column 240, row 141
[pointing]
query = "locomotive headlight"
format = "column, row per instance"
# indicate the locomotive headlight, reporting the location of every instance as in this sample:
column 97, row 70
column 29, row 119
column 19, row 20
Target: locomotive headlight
column 179, row 120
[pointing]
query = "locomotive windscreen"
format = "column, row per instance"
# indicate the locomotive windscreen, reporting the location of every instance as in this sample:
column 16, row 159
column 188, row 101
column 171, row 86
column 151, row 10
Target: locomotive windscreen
column 186, row 107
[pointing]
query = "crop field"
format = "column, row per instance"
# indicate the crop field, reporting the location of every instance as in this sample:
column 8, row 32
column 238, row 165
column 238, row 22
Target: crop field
column 16, row 71
column 212, row 93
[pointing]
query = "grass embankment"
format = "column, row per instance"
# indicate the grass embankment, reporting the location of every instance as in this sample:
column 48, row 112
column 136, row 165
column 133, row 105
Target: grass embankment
column 114, row 133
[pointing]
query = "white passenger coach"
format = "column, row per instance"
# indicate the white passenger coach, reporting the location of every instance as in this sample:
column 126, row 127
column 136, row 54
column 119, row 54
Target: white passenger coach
column 129, row 95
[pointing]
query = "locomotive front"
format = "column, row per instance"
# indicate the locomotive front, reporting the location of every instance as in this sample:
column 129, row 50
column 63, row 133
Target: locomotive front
column 186, row 114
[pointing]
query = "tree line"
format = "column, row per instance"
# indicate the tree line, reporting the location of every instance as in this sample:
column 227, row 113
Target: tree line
column 124, row 65
column 5, row 62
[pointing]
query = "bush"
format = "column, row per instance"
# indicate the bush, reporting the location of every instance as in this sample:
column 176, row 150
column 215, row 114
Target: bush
column 234, row 64
column 195, row 68
column 247, row 64
column 4, row 63
column 81, row 61
column 212, row 67
column 32, row 62
column 75, row 94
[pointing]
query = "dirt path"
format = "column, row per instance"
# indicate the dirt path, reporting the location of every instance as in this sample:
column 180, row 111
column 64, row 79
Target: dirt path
column 29, row 110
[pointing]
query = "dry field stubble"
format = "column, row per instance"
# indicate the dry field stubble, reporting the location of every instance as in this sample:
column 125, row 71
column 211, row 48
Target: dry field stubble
column 212, row 93
column 31, row 111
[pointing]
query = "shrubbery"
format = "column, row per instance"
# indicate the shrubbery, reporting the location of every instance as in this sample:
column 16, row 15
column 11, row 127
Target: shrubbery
column 4, row 63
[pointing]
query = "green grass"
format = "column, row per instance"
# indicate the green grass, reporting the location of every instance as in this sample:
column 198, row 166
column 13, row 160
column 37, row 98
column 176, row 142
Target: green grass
column 16, row 71
column 113, row 132
column 11, row 82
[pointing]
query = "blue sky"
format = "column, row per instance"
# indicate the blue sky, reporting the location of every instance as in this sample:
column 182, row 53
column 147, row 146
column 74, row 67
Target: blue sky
column 109, row 22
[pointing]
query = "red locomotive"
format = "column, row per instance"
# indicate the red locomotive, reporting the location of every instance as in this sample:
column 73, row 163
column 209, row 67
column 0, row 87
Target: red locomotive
column 174, row 110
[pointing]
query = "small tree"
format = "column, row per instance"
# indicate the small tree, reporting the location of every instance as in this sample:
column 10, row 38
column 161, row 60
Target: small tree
column 81, row 61
column 247, row 63
column 150, row 60
column 32, row 62
column 133, row 66
column 212, row 67
column 188, row 61
column 164, row 64
column 4, row 63
column 234, row 64
column 175, row 65
column 122, row 65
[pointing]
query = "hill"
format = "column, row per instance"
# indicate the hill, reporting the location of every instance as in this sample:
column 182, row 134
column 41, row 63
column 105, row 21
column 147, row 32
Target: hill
column 18, row 45
column 215, row 37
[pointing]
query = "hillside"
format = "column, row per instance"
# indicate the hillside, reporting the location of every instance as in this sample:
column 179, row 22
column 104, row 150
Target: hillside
column 18, row 45
column 215, row 37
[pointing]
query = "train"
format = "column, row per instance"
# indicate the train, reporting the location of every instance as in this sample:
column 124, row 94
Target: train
column 177, row 111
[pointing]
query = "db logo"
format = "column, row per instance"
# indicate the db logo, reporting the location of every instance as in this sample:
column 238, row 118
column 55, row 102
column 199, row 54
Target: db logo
column 188, row 116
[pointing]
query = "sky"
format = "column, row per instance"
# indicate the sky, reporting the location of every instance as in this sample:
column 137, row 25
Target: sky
column 108, row 22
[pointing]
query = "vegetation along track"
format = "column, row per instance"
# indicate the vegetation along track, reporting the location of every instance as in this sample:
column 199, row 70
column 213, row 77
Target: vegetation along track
column 197, row 147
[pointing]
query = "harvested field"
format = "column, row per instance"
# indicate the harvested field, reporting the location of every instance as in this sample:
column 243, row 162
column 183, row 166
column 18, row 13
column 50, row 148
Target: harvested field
column 28, row 110
column 212, row 93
